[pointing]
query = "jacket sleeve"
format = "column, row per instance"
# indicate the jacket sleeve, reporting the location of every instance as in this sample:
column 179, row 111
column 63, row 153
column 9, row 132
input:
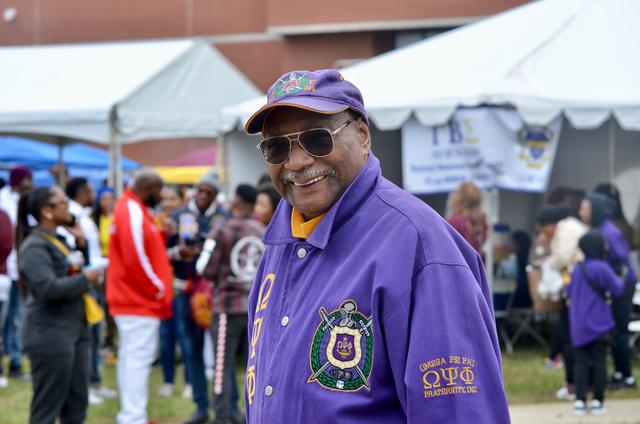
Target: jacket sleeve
column 618, row 253
column 611, row 281
column 133, row 240
column 6, row 236
column 443, row 349
column 217, row 257
column 37, row 270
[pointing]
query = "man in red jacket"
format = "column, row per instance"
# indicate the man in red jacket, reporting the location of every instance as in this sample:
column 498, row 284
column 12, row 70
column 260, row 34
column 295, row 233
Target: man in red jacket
column 138, row 291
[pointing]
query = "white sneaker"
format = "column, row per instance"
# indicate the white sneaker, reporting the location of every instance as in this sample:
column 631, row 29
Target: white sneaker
column 187, row 393
column 597, row 407
column 94, row 399
column 166, row 390
column 579, row 408
column 4, row 382
column 563, row 393
column 105, row 392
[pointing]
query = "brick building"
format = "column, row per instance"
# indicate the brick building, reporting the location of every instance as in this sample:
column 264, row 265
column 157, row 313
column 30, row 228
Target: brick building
column 263, row 38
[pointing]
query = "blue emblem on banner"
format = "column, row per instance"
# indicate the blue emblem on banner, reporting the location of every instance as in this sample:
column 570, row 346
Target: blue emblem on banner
column 535, row 143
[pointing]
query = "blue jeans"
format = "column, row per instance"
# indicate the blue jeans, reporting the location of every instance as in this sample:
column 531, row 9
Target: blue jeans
column 183, row 329
column 11, row 336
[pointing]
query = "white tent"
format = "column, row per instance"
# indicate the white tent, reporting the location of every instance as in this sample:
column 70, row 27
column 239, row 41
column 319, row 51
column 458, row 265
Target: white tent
column 116, row 93
column 548, row 57
column 577, row 57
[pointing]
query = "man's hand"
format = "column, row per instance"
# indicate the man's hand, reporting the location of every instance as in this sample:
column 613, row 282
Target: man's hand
column 76, row 231
column 186, row 252
column 93, row 275
column 169, row 226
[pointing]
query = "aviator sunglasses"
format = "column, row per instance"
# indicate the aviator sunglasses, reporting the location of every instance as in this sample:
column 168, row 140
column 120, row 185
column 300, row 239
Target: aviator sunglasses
column 317, row 142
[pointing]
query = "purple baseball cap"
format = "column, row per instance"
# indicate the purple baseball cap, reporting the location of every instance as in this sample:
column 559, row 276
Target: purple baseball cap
column 323, row 91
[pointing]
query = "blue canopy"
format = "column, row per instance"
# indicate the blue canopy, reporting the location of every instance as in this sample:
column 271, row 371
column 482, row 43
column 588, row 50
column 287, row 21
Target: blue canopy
column 36, row 155
column 80, row 159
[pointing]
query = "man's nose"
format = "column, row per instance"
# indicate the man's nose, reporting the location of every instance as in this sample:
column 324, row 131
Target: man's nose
column 298, row 158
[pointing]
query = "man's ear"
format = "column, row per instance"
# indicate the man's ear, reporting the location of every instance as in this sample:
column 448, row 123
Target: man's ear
column 364, row 136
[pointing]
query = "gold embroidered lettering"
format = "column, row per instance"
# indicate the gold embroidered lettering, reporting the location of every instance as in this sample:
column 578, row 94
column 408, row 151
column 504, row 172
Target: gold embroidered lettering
column 450, row 374
column 467, row 375
column 255, row 336
column 435, row 382
column 265, row 292
column 251, row 383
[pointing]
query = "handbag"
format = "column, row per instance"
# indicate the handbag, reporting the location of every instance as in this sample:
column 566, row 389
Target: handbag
column 92, row 310
column 201, row 302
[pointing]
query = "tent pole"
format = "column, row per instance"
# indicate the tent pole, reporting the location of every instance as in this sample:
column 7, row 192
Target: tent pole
column 115, row 155
column 612, row 150
column 62, row 177
column 221, row 162
column 494, row 218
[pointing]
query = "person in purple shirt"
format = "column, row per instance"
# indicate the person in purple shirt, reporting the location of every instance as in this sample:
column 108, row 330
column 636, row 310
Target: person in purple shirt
column 593, row 283
column 596, row 211
column 367, row 306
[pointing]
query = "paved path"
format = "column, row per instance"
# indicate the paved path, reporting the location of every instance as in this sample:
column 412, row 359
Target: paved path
column 625, row 411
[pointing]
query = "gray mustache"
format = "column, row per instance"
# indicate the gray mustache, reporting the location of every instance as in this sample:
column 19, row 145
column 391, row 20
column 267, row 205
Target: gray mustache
column 307, row 173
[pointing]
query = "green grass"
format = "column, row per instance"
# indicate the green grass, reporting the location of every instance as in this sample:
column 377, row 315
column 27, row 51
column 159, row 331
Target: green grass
column 526, row 381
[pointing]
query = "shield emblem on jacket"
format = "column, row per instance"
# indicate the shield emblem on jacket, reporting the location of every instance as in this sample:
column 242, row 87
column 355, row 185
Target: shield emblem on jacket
column 343, row 350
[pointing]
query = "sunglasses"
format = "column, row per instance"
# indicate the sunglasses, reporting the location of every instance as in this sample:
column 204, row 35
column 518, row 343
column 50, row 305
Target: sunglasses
column 63, row 201
column 317, row 142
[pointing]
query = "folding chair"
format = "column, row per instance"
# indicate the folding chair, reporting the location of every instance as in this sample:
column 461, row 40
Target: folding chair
column 504, row 290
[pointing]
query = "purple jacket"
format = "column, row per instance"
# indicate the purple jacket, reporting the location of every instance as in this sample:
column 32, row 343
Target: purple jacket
column 382, row 315
column 618, row 249
column 589, row 315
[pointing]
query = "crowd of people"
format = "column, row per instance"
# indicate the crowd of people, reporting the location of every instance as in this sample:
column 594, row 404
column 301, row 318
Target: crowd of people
column 87, row 277
column 351, row 268
column 583, row 246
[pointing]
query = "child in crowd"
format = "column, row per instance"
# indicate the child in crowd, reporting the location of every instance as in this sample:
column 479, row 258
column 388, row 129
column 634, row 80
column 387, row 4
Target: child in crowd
column 593, row 283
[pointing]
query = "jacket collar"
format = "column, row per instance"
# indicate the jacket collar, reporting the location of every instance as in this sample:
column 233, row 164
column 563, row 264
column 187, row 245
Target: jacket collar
column 132, row 196
column 279, row 232
column 211, row 210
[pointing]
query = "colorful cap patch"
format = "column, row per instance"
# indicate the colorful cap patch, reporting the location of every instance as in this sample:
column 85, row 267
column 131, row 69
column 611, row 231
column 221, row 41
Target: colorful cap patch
column 324, row 91
column 291, row 85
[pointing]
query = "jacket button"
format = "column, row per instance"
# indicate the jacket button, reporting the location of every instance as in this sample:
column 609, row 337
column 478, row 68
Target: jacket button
column 284, row 321
column 302, row 253
column 268, row 390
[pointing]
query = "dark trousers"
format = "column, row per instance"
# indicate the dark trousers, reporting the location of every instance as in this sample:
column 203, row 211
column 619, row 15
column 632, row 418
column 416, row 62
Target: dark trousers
column 60, row 384
column 621, row 308
column 229, row 337
column 191, row 339
column 591, row 359
column 567, row 349
column 95, row 353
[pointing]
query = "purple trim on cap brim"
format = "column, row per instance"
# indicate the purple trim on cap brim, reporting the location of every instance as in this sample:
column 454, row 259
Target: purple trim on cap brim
column 314, row 104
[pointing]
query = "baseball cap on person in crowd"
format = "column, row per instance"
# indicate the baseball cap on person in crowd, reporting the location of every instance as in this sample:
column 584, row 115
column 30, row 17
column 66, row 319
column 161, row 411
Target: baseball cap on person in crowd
column 323, row 91
column 17, row 174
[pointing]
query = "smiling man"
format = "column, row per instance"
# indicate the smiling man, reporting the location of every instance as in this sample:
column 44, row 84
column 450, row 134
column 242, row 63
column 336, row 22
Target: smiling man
column 367, row 306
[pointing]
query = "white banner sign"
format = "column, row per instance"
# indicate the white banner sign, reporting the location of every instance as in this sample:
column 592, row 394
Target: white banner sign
column 490, row 147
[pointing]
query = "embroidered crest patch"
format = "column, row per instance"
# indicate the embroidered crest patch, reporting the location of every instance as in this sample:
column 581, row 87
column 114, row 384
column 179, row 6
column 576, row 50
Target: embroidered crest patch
column 341, row 355
column 292, row 84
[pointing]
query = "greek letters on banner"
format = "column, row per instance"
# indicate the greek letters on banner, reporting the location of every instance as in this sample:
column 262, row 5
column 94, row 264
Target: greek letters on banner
column 491, row 147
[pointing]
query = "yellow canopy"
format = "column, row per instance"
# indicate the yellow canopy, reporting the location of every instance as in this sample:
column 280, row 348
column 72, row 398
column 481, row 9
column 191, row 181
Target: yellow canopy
column 186, row 174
